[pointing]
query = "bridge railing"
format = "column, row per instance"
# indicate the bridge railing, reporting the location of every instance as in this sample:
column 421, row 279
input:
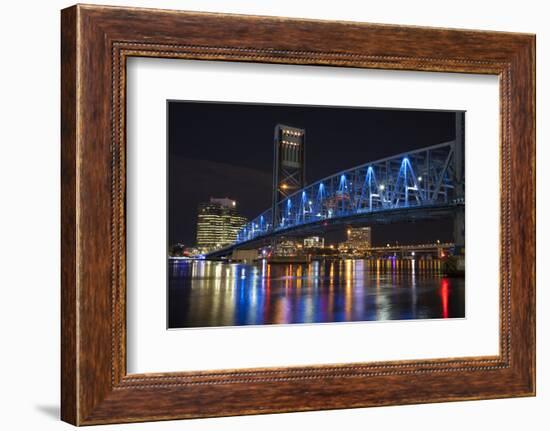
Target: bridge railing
column 424, row 177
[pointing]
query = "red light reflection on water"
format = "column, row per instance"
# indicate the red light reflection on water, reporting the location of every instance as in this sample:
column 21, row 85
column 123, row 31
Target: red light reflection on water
column 205, row 293
column 444, row 292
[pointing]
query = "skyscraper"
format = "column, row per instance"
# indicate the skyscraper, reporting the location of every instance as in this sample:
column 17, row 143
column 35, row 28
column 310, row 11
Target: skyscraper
column 289, row 163
column 218, row 223
column 359, row 238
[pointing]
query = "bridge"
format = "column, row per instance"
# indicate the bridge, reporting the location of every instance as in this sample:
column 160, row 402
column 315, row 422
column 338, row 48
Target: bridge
column 420, row 184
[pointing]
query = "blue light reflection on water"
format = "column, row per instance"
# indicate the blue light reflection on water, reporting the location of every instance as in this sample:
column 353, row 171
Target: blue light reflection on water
column 204, row 293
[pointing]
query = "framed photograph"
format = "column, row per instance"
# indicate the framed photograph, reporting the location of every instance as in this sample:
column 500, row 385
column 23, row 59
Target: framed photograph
column 258, row 208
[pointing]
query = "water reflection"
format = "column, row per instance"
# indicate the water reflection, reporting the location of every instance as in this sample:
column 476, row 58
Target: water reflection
column 205, row 293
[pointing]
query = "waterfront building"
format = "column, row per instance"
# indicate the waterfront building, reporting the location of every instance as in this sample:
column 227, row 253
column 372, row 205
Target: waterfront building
column 177, row 250
column 358, row 239
column 218, row 223
column 287, row 247
column 314, row 242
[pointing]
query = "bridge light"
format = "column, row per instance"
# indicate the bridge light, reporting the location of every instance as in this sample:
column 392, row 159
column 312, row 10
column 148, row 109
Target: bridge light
column 382, row 187
column 284, row 186
column 387, row 245
column 412, row 254
column 309, row 203
column 419, row 179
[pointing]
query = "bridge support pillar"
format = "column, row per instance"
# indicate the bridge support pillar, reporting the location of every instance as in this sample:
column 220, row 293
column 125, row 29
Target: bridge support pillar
column 459, row 230
column 459, row 217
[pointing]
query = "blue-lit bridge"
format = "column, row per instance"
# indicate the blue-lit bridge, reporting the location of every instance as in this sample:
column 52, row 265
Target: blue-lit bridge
column 420, row 184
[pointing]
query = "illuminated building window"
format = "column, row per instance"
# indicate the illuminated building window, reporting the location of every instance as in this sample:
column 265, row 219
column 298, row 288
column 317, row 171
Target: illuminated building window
column 218, row 223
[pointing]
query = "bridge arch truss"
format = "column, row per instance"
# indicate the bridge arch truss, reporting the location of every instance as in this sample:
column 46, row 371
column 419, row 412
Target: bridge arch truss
column 422, row 178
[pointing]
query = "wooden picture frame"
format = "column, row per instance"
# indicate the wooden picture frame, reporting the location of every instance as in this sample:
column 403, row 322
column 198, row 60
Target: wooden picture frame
column 95, row 43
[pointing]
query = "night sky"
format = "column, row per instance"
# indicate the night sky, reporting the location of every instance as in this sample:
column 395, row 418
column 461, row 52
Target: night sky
column 226, row 150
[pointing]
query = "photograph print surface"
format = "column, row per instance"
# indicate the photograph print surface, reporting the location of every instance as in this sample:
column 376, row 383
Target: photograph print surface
column 294, row 214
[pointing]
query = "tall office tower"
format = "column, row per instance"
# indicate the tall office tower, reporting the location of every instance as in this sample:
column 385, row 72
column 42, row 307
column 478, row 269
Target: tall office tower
column 359, row 238
column 289, row 164
column 218, row 223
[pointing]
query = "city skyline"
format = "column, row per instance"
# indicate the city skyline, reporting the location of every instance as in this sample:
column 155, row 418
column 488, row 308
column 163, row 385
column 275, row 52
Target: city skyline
column 219, row 222
column 189, row 160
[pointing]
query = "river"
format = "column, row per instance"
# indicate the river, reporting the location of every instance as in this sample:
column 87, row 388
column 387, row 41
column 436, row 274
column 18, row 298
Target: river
column 208, row 293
